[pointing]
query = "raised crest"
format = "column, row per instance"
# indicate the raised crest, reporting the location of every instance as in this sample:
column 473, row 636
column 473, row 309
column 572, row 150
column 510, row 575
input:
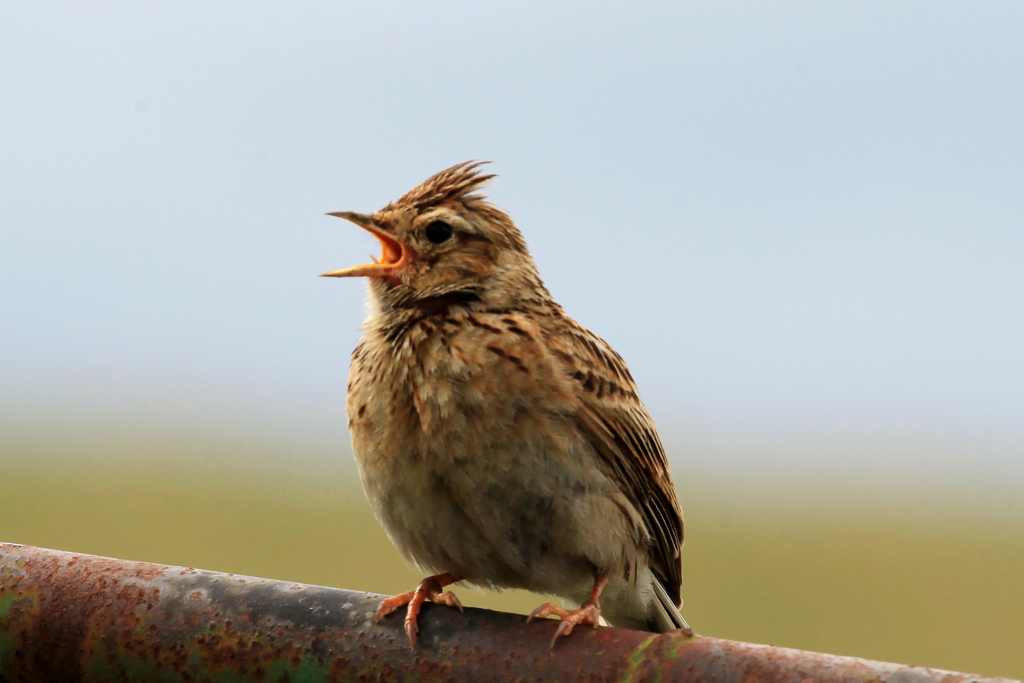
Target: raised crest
column 450, row 184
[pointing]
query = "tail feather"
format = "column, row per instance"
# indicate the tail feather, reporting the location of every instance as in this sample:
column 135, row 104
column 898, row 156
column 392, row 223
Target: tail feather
column 665, row 615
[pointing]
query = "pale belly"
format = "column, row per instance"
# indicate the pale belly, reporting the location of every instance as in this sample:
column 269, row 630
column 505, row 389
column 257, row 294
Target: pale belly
column 475, row 473
column 507, row 515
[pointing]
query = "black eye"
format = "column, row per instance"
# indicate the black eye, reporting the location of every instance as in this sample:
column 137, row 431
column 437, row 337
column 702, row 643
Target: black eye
column 438, row 232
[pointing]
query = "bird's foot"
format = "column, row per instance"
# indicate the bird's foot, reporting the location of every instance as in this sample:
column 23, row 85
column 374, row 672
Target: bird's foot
column 430, row 588
column 588, row 613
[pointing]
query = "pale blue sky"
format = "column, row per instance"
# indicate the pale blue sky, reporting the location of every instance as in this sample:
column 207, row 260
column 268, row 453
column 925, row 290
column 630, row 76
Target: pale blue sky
column 802, row 224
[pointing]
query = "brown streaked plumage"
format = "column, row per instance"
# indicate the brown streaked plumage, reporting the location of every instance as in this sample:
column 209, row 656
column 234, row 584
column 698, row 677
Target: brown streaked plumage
column 500, row 442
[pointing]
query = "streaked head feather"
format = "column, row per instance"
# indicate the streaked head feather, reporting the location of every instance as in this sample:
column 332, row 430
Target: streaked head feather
column 452, row 184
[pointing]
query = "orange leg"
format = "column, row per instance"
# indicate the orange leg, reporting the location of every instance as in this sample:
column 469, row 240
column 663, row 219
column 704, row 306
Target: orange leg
column 430, row 588
column 588, row 613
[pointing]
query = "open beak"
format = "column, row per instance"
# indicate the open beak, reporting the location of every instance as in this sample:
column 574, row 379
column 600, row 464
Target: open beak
column 393, row 254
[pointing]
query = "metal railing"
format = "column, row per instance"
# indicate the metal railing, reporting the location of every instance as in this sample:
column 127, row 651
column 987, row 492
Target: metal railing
column 70, row 617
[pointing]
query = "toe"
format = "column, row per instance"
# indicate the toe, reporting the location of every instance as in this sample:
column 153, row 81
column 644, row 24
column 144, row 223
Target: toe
column 411, row 616
column 410, row 630
column 389, row 605
column 448, row 598
column 564, row 629
column 382, row 611
column 546, row 610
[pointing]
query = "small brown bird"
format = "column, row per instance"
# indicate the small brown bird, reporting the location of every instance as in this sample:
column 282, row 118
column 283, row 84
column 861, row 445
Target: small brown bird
column 500, row 442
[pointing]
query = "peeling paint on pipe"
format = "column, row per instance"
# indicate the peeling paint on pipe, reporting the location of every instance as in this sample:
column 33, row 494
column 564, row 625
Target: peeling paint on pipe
column 69, row 617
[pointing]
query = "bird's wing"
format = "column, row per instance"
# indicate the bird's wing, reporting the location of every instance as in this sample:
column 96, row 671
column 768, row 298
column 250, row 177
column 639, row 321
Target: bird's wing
column 617, row 424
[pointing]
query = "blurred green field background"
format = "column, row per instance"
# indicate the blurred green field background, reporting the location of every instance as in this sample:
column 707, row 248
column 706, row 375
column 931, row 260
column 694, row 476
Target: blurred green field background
column 928, row 576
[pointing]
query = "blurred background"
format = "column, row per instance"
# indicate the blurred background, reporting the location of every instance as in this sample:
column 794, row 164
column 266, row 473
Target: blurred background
column 799, row 222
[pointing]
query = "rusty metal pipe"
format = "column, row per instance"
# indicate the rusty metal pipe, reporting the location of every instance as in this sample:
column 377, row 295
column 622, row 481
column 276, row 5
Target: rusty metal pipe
column 69, row 617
